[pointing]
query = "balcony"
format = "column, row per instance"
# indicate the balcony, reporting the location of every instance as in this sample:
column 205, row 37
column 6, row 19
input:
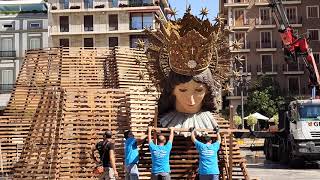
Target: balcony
column 267, row 69
column 139, row 3
column 265, row 23
column 236, row 3
column 244, row 24
column 6, row 88
column 295, row 21
column 265, row 2
column 245, row 48
column 266, row 46
column 64, row 28
column 293, row 68
column 8, row 54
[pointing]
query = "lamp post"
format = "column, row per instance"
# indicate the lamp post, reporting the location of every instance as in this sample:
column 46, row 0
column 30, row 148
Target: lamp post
column 241, row 82
column 241, row 89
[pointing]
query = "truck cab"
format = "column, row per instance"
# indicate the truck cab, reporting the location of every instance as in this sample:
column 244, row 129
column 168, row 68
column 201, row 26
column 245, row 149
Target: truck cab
column 304, row 128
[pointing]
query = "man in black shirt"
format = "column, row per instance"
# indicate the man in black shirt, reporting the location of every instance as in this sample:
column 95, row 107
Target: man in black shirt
column 107, row 158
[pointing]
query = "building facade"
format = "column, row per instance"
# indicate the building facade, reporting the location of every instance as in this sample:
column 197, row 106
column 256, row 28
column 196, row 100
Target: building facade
column 101, row 23
column 23, row 26
column 253, row 25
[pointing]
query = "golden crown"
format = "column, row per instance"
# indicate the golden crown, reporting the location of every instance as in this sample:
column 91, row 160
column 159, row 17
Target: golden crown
column 190, row 54
column 190, row 45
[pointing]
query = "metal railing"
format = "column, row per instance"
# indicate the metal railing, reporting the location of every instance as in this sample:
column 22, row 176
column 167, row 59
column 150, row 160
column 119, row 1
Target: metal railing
column 88, row 28
column 139, row 3
column 270, row 44
column 64, row 28
column 7, row 53
column 267, row 68
column 235, row 1
column 292, row 67
column 6, row 88
column 295, row 20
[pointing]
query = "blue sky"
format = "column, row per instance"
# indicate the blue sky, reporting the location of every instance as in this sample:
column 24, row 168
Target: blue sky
column 196, row 5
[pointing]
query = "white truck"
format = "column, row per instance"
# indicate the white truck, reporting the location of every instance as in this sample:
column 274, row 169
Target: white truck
column 298, row 137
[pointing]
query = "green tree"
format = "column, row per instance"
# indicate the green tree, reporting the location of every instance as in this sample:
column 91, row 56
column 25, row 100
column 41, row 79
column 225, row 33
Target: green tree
column 237, row 120
column 264, row 97
column 251, row 121
column 276, row 119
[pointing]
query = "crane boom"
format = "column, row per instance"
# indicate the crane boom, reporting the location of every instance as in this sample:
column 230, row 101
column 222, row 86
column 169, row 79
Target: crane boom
column 294, row 45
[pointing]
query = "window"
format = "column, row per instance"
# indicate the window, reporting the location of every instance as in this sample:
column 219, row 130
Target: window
column 292, row 14
column 88, row 42
column 141, row 20
column 64, row 42
column 7, row 48
column 293, row 85
column 64, row 24
column 266, row 63
column 64, row 4
column 6, row 80
column 265, row 16
column 88, row 3
column 239, row 17
column 35, row 43
column 6, row 44
column 113, row 22
column 113, row 41
column 316, row 56
column 314, row 34
column 113, row 3
column 312, row 11
column 241, row 38
column 34, row 25
column 265, row 39
column 88, row 23
column 134, row 39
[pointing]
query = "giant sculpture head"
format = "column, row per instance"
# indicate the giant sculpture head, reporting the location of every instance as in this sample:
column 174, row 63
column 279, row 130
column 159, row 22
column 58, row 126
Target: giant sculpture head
column 191, row 60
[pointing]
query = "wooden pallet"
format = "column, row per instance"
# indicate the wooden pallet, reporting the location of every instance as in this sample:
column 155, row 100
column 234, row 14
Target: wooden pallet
column 65, row 98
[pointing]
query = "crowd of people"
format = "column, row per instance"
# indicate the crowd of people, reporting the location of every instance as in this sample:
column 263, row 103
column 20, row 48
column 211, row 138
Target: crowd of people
column 160, row 156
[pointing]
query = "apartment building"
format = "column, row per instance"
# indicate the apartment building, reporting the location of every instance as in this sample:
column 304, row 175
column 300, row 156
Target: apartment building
column 262, row 54
column 23, row 26
column 102, row 23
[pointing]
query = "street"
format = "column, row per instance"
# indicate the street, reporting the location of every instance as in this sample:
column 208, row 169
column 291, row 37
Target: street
column 261, row 169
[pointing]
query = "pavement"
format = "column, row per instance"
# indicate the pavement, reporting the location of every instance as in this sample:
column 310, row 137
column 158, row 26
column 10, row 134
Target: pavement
column 261, row 169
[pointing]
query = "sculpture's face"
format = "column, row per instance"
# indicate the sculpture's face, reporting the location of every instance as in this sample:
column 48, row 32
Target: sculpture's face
column 189, row 96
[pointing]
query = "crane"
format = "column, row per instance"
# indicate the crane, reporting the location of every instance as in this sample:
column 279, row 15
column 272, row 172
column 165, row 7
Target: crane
column 295, row 45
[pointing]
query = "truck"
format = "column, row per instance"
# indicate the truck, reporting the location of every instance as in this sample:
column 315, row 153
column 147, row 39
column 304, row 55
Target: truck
column 298, row 137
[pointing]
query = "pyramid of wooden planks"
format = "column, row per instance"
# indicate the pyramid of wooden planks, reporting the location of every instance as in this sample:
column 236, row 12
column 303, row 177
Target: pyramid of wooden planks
column 65, row 98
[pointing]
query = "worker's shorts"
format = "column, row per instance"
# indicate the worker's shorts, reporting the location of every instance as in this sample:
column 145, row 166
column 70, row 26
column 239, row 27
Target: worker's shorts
column 132, row 172
column 161, row 176
column 209, row 177
column 108, row 174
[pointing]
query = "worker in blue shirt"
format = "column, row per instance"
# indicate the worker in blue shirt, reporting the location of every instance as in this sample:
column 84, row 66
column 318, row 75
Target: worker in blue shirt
column 131, row 153
column 160, row 155
column 208, row 157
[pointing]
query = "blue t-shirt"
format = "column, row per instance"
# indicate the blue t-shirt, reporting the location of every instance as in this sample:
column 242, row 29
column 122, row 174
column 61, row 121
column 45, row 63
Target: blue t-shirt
column 208, row 157
column 160, row 157
column 131, row 151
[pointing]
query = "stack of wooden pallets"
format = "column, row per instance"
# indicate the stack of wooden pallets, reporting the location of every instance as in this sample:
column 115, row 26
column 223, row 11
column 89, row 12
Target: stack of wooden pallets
column 65, row 98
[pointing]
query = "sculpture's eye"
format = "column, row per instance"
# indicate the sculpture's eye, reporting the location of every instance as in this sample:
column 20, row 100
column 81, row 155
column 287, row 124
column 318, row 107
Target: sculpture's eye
column 199, row 89
column 183, row 90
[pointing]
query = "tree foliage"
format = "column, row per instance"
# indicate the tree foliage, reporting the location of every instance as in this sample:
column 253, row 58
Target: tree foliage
column 264, row 97
column 251, row 121
column 276, row 118
column 237, row 120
